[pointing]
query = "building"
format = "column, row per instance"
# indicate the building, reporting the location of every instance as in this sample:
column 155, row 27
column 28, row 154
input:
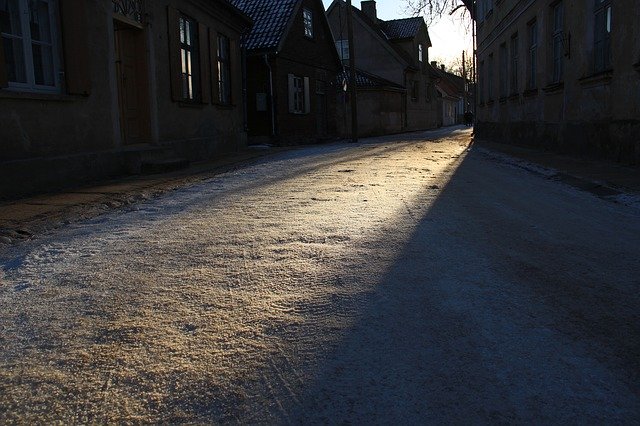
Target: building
column 292, row 66
column 380, row 105
column 396, row 51
column 562, row 75
column 94, row 88
column 454, row 95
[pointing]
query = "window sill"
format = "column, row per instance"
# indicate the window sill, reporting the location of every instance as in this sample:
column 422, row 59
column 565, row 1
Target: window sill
column 491, row 102
column 530, row 92
column 599, row 79
column 187, row 104
column 514, row 97
column 554, row 88
column 34, row 96
column 224, row 106
column 503, row 99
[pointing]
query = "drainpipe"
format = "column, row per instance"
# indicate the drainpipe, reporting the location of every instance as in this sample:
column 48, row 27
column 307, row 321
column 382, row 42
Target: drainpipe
column 271, row 100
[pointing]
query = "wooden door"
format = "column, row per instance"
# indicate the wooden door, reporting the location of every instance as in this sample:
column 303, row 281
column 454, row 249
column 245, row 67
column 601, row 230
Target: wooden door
column 133, row 90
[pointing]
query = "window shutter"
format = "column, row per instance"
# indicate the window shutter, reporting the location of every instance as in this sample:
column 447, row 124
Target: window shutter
column 292, row 106
column 205, row 64
column 213, row 54
column 3, row 67
column 236, row 73
column 173, row 24
column 74, row 43
column 307, row 98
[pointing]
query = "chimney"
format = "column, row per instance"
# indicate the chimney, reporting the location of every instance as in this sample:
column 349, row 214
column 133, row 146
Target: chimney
column 368, row 7
column 442, row 67
column 434, row 64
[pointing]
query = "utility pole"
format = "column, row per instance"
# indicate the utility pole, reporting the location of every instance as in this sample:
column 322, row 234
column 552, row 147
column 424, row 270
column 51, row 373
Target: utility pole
column 352, row 75
column 464, row 84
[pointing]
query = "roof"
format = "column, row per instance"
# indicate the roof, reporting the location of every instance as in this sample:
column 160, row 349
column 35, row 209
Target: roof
column 270, row 20
column 398, row 29
column 451, row 84
column 365, row 80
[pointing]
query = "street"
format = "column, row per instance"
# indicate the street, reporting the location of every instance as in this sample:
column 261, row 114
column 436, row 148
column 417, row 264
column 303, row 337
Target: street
column 410, row 279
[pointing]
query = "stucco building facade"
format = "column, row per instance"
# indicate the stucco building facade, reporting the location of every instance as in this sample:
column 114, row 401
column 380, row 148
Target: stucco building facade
column 561, row 74
column 92, row 88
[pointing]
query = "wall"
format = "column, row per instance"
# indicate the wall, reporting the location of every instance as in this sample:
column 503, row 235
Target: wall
column 587, row 114
column 379, row 113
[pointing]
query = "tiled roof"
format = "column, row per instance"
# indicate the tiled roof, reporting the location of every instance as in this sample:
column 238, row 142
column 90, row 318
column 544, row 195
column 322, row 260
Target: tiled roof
column 366, row 80
column 401, row 28
column 270, row 19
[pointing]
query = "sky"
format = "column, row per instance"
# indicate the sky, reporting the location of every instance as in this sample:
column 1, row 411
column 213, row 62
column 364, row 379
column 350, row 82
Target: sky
column 447, row 36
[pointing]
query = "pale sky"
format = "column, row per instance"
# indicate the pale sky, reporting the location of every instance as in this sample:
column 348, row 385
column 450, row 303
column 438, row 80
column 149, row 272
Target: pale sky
column 447, row 36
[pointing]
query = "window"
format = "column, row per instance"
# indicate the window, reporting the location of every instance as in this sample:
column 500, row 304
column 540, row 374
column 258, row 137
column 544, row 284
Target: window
column 343, row 49
column 481, row 78
column 558, row 51
column 420, row 53
column 602, row 35
column 299, row 102
column 189, row 58
column 514, row 63
column 490, row 78
column 224, row 70
column 504, row 61
column 29, row 38
column 533, row 54
column 307, row 17
column 415, row 90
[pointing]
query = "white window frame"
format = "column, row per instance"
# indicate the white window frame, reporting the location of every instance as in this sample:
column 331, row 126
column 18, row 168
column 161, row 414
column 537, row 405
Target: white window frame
column 420, row 52
column 27, row 48
column 307, row 19
column 299, row 95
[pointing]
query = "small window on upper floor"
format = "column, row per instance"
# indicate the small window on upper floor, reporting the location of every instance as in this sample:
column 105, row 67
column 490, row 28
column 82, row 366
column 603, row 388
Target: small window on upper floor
column 307, row 17
column 343, row 49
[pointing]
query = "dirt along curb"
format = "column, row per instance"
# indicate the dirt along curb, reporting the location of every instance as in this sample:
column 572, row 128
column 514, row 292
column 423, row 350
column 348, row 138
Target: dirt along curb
column 24, row 219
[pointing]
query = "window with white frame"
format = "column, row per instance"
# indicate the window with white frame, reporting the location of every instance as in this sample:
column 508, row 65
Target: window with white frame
column 28, row 30
column 602, row 35
column 189, row 58
column 307, row 17
column 420, row 53
column 558, row 50
column 343, row 49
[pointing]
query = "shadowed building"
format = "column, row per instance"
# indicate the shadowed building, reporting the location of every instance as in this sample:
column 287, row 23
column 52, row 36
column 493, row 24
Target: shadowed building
column 292, row 66
column 561, row 74
column 90, row 89
column 395, row 51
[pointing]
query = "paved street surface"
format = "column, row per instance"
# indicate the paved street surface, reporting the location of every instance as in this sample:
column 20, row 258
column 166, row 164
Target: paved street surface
column 395, row 280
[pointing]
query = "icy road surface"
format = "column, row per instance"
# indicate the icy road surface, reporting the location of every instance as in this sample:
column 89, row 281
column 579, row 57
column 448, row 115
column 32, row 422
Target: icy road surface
column 396, row 280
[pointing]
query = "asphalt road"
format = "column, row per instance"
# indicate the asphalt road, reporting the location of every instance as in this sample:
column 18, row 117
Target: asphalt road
column 397, row 280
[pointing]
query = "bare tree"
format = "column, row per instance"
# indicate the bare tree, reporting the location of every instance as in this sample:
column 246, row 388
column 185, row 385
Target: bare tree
column 433, row 10
column 454, row 65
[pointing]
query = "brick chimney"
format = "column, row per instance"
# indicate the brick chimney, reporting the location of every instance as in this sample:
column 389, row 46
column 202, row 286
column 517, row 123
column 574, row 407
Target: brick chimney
column 368, row 7
column 442, row 67
column 434, row 64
